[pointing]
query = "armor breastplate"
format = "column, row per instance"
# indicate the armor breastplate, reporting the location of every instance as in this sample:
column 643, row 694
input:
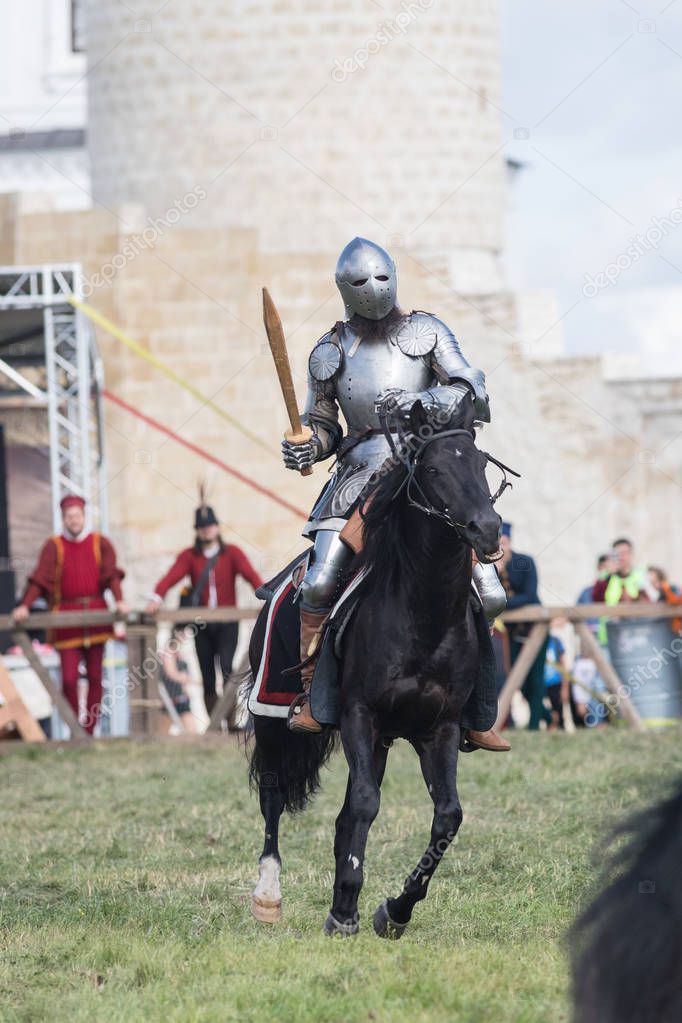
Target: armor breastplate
column 369, row 367
column 353, row 372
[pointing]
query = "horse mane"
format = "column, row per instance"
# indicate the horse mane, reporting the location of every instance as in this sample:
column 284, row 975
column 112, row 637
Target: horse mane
column 383, row 528
column 384, row 516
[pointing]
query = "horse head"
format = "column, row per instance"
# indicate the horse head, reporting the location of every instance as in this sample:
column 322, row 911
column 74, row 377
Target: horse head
column 447, row 477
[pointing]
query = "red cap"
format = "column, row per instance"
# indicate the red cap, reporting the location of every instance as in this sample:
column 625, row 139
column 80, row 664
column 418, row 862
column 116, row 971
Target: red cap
column 71, row 501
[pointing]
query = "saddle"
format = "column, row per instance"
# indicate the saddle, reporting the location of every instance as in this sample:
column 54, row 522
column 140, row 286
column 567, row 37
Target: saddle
column 277, row 680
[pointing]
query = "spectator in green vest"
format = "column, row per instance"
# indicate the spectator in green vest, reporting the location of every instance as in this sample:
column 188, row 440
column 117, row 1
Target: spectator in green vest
column 627, row 584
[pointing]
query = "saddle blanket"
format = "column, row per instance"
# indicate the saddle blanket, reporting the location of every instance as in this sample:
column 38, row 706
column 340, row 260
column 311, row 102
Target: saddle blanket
column 272, row 691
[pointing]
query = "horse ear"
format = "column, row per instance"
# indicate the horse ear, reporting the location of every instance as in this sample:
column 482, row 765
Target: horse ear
column 418, row 417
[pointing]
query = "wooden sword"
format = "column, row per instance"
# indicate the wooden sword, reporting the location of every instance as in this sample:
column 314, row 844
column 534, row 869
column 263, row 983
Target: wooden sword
column 298, row 434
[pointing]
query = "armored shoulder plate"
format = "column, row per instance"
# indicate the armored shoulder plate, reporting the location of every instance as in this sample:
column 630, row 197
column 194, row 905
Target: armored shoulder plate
column 326, row 357
column 419, row 334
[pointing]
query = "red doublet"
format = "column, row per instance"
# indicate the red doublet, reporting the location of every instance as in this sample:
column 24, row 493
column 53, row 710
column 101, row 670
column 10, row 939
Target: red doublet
column 73, row 576
column 231, row 562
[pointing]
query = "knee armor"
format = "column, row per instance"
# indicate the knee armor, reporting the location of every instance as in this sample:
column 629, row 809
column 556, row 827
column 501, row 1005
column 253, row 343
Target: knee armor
column 490, row 590
column 329, row 560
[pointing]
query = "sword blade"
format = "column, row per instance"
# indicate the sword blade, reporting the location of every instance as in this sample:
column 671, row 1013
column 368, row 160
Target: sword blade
column 278, row 347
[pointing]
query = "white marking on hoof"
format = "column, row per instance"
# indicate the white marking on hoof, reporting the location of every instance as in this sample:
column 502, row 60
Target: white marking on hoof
column 265, row 914
column 266, row 900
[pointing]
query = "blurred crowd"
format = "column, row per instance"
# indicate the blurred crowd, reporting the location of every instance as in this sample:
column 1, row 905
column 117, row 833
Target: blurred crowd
column 564, row 688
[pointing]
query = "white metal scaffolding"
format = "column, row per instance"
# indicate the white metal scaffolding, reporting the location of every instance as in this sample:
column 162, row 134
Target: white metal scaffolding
column 73, row 378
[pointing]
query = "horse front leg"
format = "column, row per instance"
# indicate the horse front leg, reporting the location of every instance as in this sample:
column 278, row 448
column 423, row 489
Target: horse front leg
column 438, row 758
column 344, row 822
column 366, row 757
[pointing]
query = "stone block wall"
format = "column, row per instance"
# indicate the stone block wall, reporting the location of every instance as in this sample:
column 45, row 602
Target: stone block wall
column 311, row 122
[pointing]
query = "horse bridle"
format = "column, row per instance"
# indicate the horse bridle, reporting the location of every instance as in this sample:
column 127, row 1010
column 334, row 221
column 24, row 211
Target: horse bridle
column 411, row 463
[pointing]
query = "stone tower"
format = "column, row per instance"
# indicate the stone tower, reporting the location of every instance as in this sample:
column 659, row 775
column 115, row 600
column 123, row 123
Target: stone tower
column 310, row 122
column 235, row 145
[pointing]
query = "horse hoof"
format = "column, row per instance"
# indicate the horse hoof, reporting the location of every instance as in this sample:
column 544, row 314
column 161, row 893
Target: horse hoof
column 266, row 912
column 332, row 928
column 384, row 926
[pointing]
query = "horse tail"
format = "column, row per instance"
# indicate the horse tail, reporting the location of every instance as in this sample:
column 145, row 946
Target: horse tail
column 289, row 760
column 292, row 761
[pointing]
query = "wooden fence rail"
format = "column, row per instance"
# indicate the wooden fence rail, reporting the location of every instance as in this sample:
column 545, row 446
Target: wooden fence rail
column 539, row 618
column 143, row 666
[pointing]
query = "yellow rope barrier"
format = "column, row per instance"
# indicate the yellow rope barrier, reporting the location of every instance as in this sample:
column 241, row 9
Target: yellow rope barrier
column 134, row 346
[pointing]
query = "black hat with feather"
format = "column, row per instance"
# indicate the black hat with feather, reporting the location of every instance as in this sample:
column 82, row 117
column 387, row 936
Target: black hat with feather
column 204, row 515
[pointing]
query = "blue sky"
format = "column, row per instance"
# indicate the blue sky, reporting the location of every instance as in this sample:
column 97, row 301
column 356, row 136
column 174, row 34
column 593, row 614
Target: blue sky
column 598, row 86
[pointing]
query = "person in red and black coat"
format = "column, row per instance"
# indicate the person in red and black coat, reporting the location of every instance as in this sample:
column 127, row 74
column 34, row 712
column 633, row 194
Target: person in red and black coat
column 74, row 571
column 212, row 567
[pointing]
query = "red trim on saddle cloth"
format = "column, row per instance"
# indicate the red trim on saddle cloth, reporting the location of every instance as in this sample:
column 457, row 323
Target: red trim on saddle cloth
column 265, row 695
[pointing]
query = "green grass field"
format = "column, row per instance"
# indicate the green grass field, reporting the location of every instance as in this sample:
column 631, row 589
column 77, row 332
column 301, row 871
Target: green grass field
column 126, row 870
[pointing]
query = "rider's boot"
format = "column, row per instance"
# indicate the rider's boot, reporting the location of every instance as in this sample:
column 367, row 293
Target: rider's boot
column 489, row 740
column 494, row 600
column 300, row 716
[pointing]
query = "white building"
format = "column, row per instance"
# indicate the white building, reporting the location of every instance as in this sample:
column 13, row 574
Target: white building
column 43, row 104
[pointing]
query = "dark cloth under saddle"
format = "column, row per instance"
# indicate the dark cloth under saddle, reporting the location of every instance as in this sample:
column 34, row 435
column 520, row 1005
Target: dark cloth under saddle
column 480, row 710
column 278, row 682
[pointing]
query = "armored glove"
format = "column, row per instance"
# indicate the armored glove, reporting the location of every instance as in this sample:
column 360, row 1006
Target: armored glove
column 393, row 398
column 440, row 402
column 300, row 456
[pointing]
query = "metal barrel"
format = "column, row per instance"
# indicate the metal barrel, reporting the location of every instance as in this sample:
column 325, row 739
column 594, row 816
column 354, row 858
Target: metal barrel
column 645, row 653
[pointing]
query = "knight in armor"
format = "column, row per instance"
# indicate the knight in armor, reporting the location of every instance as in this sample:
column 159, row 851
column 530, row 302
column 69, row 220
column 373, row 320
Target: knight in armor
column 377, row 360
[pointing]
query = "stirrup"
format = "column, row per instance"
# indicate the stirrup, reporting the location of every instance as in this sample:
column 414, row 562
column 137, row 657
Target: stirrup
column 296, row 708
column 465, row 746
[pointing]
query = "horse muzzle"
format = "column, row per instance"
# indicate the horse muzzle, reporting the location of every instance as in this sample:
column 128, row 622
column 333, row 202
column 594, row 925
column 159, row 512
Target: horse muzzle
column 484, row 537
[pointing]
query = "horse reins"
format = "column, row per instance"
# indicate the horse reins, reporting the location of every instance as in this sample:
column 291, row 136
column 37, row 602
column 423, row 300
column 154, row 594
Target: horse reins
column 411, row 461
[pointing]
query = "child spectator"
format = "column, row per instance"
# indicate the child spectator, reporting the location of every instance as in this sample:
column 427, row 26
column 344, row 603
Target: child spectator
column 556, row 681
column 175, row 675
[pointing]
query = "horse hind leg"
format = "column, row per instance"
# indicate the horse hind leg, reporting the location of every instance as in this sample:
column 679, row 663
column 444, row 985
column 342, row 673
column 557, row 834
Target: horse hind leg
column 266, row 898
column 438, row 759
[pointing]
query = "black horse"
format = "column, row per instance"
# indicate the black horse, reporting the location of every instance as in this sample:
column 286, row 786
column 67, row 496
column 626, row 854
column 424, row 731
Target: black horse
column 410, row 659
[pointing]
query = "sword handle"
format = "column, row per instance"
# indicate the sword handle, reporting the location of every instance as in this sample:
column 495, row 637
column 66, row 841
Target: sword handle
column 301, row 438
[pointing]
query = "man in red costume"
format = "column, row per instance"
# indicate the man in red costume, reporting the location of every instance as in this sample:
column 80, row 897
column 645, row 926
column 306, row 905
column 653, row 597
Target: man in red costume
column 73, row 572
column 212, row 567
